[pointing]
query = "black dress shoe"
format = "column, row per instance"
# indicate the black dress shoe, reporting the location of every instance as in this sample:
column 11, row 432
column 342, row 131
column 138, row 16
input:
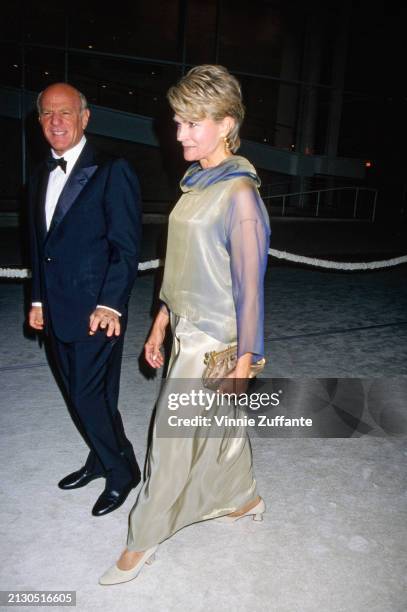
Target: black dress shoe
column 78, row 479
column 111, row 498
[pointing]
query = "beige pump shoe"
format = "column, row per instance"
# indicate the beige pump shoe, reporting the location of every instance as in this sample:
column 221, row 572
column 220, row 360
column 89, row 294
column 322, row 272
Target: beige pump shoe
column 257, row 512
column 114, row 575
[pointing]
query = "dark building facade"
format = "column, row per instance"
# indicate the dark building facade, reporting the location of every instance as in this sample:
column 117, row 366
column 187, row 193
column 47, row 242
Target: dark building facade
column 319, row 94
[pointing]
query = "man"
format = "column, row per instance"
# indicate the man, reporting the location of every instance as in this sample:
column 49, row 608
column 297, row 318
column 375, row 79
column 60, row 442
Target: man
column 86, row 232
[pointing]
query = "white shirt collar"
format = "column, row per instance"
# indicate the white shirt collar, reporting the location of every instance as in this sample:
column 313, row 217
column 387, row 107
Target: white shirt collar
column 72, row 154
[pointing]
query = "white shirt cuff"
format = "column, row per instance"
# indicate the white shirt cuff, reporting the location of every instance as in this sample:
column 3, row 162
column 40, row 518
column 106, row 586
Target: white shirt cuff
column 119, row 314
column 98, row 306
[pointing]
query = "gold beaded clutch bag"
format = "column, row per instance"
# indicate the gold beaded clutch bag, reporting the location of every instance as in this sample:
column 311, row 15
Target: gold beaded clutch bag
column 218, row 364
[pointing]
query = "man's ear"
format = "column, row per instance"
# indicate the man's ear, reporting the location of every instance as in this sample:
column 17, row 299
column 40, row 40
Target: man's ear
column 85, row 117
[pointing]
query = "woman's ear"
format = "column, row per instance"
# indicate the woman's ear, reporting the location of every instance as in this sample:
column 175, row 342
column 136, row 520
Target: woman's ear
column 228, row 125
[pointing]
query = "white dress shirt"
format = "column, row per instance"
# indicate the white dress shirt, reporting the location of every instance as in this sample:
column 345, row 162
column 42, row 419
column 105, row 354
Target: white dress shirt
column 58, row 178
column 56, row 182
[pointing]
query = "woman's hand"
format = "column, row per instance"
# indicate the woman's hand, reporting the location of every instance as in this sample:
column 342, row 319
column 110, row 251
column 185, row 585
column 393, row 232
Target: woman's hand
column 152, row 352
column 242, row 368
column 237, row 380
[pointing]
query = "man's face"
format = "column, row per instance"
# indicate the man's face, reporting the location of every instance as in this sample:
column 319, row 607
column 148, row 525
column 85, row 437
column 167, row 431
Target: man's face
column 61, row 118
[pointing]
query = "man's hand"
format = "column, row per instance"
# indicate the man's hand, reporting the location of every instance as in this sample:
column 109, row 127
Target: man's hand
column 105, row 319
column 36, row 318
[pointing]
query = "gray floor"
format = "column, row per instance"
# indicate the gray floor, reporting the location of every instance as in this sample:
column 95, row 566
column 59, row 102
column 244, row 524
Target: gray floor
column 334, row 535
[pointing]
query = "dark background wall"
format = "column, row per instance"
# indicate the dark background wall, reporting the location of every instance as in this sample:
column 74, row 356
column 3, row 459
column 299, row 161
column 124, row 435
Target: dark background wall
column 295, row 60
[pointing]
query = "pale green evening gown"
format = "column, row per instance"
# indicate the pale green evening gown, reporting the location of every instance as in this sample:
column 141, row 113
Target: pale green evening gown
column 213, row 302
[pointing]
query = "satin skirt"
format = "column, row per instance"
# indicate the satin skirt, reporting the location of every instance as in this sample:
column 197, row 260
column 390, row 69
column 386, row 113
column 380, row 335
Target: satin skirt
column 195, row 478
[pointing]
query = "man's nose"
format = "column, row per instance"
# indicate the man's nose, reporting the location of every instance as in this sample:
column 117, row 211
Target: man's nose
column 55, row 119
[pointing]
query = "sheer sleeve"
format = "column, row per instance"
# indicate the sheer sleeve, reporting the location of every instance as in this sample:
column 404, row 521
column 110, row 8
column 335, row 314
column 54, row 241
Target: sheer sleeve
column 247, row 235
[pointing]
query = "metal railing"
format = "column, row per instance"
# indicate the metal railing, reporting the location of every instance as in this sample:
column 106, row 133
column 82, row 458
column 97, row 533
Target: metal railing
column 322, row 206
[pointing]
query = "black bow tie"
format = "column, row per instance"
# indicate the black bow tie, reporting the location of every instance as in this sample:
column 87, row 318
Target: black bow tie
column 52, row 163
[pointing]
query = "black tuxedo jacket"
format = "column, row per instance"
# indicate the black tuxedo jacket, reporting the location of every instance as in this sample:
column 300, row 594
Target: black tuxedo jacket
column 90, row 254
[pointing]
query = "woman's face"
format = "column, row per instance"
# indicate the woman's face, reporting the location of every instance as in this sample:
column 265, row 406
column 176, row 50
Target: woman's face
column 203, row 140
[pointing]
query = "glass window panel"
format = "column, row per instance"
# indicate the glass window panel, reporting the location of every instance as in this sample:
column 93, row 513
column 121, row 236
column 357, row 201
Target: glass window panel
column 201, row 31
column 327, row 56
column 44, row 22
column 135, row 87
column 322, row 118
column 286, row 116
column 147, row 28
column 43, row 67
column 10, row 65
column 359, row 125
column 251, row 40
column 10, row 162
column 260, row 97
column 10, row 22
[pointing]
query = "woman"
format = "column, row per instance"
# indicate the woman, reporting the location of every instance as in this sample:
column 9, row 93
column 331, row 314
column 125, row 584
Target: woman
column 212, row 294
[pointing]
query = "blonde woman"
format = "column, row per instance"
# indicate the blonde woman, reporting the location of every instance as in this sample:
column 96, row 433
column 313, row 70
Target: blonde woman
column 212, row 296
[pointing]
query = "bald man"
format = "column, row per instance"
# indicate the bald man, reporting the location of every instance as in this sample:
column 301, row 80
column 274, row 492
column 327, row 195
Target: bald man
column 85, row 237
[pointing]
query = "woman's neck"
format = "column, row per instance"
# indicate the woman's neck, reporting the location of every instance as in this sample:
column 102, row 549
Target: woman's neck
column 215, row 160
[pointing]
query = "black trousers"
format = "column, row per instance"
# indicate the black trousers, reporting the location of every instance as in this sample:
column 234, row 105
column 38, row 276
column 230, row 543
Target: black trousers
column 90, row 375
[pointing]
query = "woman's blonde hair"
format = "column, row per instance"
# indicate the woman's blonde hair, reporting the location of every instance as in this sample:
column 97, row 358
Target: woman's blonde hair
column 209, row 91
